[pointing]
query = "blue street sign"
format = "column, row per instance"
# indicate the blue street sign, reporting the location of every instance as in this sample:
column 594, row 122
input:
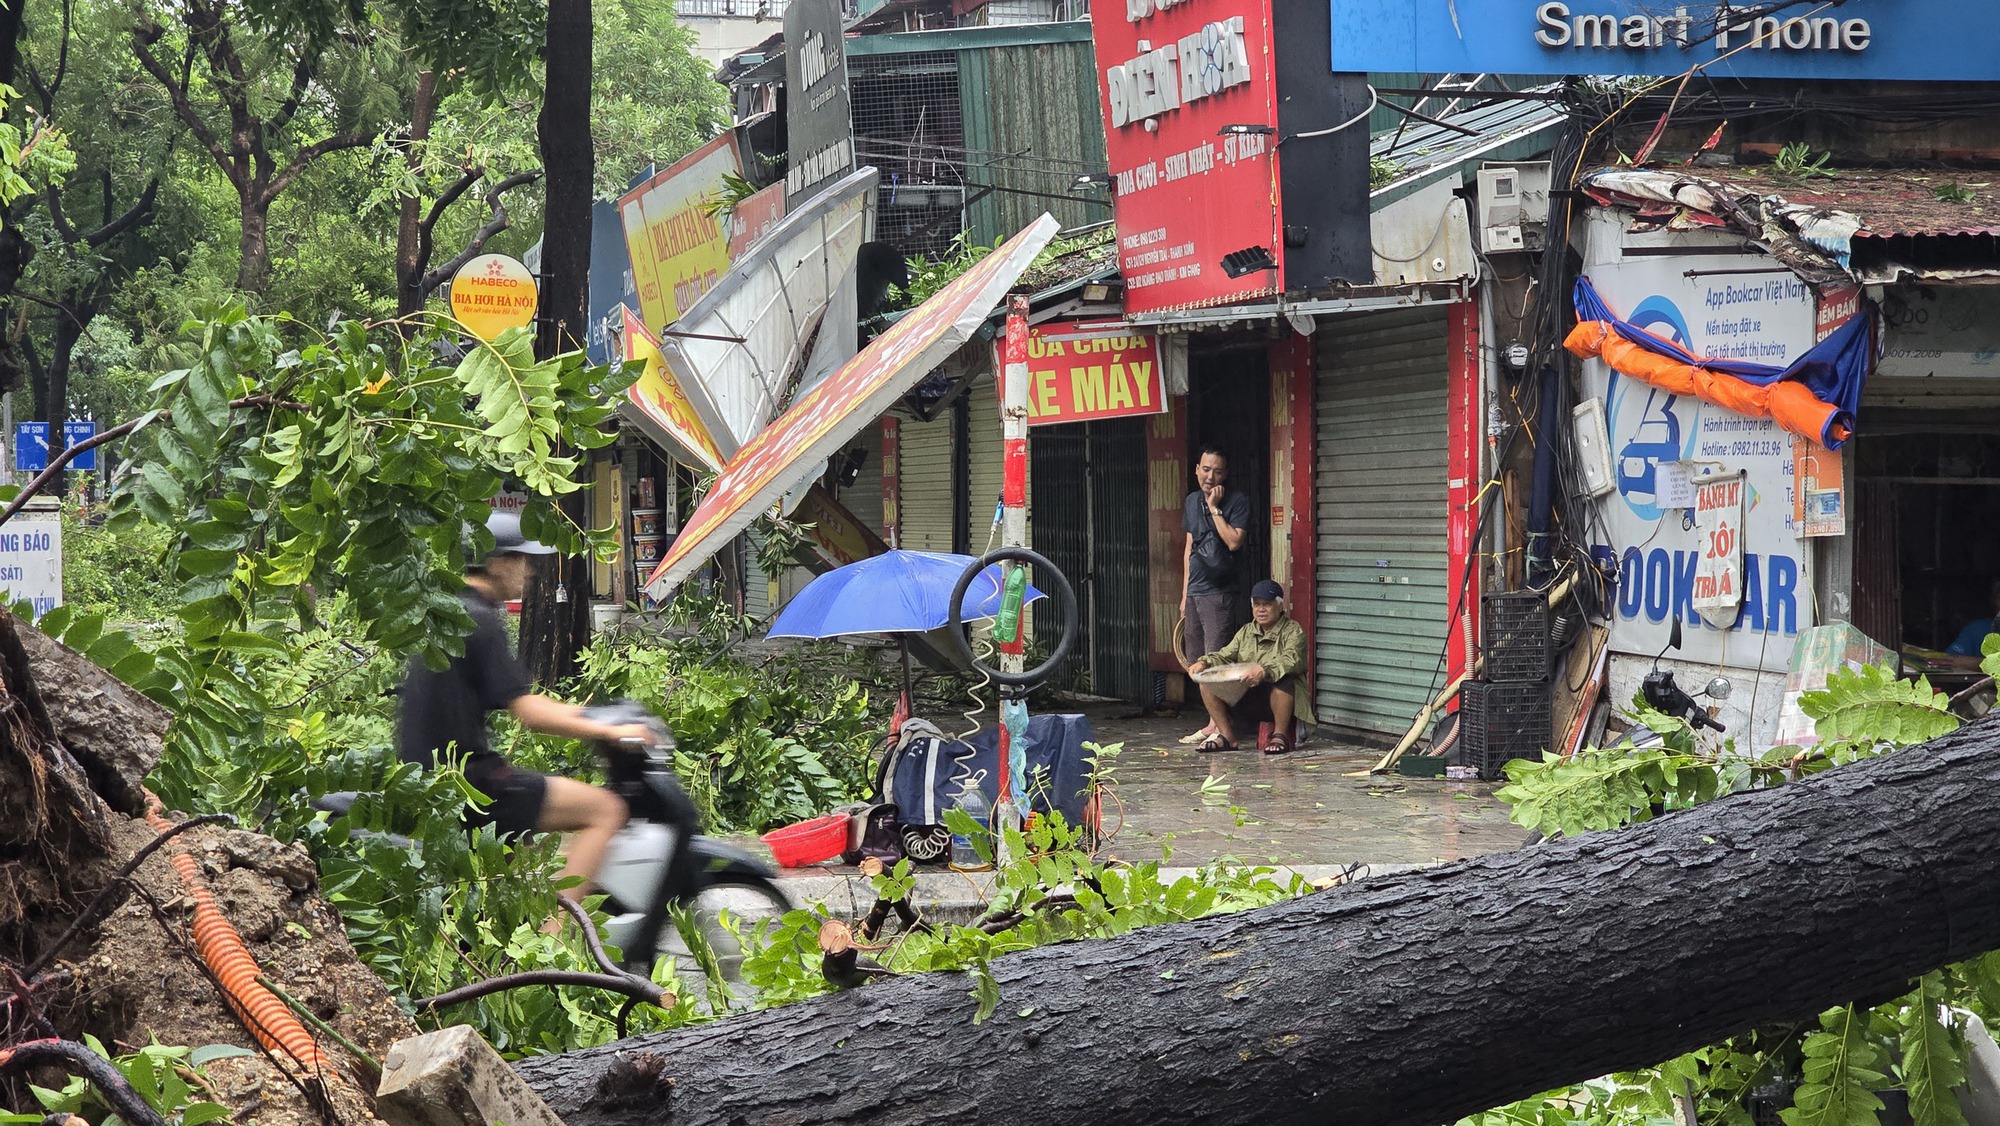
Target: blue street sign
column 1903, row 40
column 31, row 446
column 80, row 430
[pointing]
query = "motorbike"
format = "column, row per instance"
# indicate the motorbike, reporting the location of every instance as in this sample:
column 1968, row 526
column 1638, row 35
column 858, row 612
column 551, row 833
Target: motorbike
column 660, row 861
column 1664, row 695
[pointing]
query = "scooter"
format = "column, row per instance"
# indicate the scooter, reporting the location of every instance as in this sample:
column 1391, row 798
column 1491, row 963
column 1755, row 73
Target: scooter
column 660, row 861
column 1663, row 695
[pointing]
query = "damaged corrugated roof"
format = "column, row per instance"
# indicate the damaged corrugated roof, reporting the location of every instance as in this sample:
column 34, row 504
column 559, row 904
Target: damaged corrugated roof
column 1872, row 226
column 1423, row 152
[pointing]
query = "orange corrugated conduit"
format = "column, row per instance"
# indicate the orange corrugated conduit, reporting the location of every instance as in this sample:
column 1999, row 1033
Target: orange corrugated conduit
column 267, row 1018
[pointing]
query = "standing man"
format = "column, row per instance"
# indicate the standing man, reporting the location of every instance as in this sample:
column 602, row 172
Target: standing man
column 1217, row 521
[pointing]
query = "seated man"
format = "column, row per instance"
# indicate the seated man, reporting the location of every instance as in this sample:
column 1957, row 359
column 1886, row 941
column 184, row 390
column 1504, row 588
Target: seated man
column 1277, row 646
column 1973, row 636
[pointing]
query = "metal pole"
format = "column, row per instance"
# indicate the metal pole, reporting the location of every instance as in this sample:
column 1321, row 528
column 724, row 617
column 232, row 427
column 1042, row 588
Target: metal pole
column 7, row 470
column 1014, row 533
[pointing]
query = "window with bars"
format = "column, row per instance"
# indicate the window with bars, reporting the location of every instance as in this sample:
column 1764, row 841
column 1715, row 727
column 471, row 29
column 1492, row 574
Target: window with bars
column 908, row 124
column 739, row 9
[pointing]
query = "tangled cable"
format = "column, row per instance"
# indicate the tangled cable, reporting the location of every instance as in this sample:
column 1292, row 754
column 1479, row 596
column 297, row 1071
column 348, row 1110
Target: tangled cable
column 267, row 1017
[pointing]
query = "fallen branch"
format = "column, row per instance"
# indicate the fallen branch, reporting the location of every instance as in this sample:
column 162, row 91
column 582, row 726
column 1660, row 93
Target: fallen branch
column 1517, row 973
column 80, row 1060
column 123, row 429
column 624, row 984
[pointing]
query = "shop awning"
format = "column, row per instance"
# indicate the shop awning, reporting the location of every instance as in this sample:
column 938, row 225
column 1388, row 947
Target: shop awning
column 1870, row 226
column 824, row 419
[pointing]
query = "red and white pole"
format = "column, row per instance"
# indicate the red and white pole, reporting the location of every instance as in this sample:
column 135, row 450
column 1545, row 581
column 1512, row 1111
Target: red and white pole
column 1014, row 533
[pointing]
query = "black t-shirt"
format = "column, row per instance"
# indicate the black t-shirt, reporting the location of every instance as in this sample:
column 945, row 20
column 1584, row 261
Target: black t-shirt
column 1196, row 522
column 447, row 708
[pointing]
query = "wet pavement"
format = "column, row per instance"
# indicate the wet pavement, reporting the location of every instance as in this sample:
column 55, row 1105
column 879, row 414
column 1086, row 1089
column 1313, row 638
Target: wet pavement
column 1303, row 808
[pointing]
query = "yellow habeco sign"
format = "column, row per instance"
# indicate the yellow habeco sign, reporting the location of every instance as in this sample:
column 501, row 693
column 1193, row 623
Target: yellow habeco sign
column 491, row 294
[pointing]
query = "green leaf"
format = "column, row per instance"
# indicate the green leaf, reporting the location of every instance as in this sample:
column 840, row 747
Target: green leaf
column 1933, row 1062
column 985, row 991
column 199, row 1114
column 1843, row 1069
column 1863, row 710
column 209, row 1053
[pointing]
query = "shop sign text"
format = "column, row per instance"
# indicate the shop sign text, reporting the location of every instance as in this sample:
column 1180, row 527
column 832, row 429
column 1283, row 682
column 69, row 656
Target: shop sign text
column 1851, row 40
column 1190, row 117
column 1078, row 372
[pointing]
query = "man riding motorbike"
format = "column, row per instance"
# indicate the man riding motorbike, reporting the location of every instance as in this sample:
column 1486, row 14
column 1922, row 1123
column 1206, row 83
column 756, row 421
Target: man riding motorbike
column 444, row 711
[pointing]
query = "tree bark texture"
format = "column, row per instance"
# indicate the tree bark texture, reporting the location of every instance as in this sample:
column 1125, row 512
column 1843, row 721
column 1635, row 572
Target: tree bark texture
column 409, row 267
column 551, row 631
column 1408, row 999
column 109, row 727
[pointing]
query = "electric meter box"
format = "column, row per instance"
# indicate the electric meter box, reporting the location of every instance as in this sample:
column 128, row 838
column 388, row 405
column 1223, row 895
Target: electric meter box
column 1514, row 205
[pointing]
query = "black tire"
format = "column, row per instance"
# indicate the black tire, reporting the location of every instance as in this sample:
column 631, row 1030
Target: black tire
column 1065, row 598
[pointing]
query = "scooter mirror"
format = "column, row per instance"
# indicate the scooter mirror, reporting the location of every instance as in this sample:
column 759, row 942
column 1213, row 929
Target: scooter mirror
column 1674, row 636
column 1719, row 688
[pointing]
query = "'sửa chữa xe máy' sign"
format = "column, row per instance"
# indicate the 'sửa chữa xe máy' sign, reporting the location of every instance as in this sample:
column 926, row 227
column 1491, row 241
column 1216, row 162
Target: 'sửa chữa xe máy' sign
column 1187, row 193
column 1079, row 371
column 675, row 233
column 1909, row 40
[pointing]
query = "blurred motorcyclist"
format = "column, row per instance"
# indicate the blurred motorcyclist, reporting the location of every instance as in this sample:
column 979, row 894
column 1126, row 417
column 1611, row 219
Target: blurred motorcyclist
column 445, row 711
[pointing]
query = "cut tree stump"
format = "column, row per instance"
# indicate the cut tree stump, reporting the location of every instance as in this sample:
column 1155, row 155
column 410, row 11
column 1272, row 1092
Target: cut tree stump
column 1408, row 999
column 453, row 1077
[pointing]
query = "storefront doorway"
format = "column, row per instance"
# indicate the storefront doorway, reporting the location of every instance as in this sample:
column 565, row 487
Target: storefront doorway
column 1088, row 516
column 1926, row 546
column 1229, row 406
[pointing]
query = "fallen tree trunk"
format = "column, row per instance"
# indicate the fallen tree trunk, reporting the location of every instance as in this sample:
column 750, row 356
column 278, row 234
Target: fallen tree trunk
column 1408, row 999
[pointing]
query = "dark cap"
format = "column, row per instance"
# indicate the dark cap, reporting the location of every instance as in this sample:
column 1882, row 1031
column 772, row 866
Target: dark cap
column 1267, row 589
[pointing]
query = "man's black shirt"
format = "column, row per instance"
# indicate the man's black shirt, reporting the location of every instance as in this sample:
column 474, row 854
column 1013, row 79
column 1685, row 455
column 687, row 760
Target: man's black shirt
column 448, row 708
column 1196, row 521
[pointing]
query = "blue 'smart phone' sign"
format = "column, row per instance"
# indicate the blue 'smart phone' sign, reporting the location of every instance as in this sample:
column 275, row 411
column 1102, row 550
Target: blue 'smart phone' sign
column 1903, row 40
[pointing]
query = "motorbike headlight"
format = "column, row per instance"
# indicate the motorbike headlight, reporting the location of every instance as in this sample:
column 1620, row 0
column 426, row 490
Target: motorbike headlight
column 1719, row 688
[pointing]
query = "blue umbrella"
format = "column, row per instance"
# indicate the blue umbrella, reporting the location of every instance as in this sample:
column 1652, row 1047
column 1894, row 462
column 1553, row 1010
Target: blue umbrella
column 895, row 592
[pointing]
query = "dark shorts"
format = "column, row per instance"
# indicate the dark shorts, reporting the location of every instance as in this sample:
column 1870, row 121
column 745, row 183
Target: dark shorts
column 518, row 796
column 1209, row 626
column 1255, row 706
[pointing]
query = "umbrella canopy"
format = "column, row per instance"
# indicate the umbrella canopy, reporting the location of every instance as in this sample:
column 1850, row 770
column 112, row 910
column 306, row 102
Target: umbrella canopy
column 895, row 592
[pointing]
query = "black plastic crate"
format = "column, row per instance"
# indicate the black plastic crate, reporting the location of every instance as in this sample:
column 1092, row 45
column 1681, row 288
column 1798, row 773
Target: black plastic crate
column 1515, row 637
column 1501, row 722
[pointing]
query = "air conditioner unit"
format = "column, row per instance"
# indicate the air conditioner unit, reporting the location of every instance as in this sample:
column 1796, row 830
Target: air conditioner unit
column 1514, row 205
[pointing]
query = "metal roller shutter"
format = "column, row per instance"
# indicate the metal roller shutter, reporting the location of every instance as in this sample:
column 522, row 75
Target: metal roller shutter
column 1381, row 509
column 925, row 476
column 989, row 471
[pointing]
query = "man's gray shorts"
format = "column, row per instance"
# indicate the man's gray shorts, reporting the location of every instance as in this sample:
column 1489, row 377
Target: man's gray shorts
column 1209, row 624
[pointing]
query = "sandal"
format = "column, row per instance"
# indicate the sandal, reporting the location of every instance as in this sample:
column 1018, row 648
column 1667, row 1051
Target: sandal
column 1215, row 743
column 1277, row 745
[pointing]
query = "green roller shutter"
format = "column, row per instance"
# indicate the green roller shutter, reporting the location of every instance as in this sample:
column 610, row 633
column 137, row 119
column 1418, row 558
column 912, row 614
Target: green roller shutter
column 1382, row 603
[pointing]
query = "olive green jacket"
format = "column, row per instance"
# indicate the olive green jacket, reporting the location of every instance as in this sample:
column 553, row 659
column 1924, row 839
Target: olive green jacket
column 1282, row 652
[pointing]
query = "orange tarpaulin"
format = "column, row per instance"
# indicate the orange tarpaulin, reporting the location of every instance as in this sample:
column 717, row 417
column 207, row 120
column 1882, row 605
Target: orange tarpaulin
column 1788, row 403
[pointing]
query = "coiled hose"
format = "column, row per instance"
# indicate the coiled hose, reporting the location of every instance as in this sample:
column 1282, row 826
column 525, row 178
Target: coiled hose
column 267, row 1017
